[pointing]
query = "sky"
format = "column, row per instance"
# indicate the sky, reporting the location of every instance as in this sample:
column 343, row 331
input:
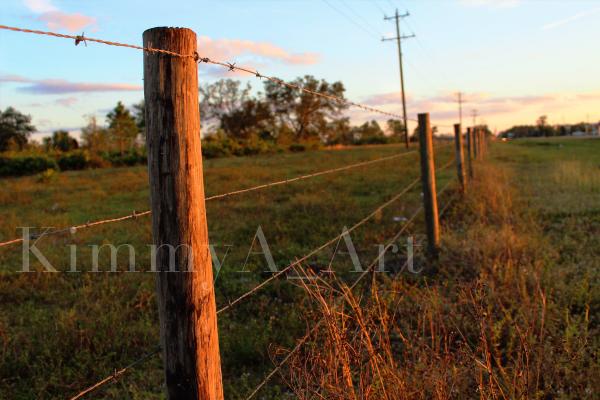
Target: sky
column 513, row 60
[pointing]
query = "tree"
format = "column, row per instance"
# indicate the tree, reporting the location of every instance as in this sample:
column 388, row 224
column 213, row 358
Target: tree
column 369, row 132
column 139, row 114
column 122, row 127
column 95, row 137
column 306, row 114
column 15, row 129
column 395, row 127
column 221, row 98
column 252, row 118
column 543, row 128
column 61, row 141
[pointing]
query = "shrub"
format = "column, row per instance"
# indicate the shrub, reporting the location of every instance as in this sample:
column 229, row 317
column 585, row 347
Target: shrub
column 19, row 166
column 73, row 161
column 297, row 147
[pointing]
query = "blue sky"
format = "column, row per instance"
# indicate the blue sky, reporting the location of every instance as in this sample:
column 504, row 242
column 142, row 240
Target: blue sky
column 514, row 59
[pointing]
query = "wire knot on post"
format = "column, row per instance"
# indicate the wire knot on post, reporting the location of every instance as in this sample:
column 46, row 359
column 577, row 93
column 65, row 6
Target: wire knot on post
column 196, row 56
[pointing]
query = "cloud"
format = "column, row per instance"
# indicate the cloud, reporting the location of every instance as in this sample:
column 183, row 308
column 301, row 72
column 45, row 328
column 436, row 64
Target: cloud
column 71, row 22
column 66, row 101
column 491, row 3
column 60, row 86
column 383, row 99
column 56, row 19
column 229, row 49
column 570, row 19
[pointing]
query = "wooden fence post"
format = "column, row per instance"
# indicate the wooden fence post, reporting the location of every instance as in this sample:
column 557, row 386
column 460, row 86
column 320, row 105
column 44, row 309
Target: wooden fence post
column 460, row 157
column 470, row 151
column 475, row 133
column 185, row 293
column 428, row 183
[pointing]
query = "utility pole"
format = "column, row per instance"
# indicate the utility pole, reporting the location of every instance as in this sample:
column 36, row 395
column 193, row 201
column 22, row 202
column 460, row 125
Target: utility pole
column 399, row 39
column 460, row 103
column 475, row 114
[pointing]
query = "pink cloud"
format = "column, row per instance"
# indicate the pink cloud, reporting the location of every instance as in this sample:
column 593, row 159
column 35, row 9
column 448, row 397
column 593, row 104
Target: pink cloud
column 72, row 22
column 229, row 49
column 386, row 98
column 60, row 86
column 66, row 101
column 56, row 19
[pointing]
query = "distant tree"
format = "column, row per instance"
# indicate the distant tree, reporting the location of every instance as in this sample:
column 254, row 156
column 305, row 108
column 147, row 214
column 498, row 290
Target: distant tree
column 306, row 114
column 139, row 114
column 395, row 127
column 122, row 127
column 543, row 128
column 15, row 129
column 222, row 97
column 368, row 129
column 61, row 141
column 338, row 132
column 95, row 137
column 252, row 118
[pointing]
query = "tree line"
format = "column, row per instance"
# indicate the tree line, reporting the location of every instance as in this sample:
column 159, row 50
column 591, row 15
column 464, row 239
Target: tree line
column 236, row 120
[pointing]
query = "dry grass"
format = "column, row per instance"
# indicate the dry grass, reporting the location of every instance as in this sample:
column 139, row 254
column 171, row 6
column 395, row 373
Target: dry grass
column 483, row 322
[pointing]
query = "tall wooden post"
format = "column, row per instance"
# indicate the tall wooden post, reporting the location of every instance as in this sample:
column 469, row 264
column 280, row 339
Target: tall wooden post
column 460, row 157
column 185, row 293
column 428, row 183
column 470, row 151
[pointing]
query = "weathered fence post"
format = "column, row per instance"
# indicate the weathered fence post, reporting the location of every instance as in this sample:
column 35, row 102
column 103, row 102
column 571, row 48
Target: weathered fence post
column 475, row 133
column 460, row 157
column 185, row 293
column 428, row 183
column 480, row 143
column 470, row 151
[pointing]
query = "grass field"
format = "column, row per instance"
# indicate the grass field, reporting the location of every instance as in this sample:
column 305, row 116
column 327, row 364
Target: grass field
column 533, row 211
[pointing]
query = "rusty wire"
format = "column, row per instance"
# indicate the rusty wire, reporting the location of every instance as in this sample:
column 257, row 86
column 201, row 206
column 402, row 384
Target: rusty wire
column 231, row 66
column 135, row 214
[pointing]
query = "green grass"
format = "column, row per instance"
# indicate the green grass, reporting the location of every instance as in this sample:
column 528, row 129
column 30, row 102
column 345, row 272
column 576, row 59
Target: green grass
column 61, row 332
column 64, row 331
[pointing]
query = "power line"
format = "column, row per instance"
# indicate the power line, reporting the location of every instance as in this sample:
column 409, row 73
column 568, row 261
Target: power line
column 358, row 15
column 349, row 18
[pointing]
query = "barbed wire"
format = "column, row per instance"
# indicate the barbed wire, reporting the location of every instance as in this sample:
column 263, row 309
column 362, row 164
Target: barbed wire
column 326, row 244
column 230, row 66
column 351, row 287
column 73, row 229
column 114, row 376
column 318, row 249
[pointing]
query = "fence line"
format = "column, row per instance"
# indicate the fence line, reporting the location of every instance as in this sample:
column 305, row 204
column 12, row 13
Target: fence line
column 134, row 214
column 328, row 243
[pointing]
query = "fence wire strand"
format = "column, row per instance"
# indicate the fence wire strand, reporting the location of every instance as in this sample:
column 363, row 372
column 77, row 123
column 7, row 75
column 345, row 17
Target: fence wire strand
column 134, row 214
column 230, row 66
column 114, row 376
column 318, row 249
column 303, row 340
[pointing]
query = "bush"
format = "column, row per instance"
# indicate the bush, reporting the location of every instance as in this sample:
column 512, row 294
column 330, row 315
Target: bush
column 132, row 157
column 297, row 147
column 73, row 161
column 19, row 166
